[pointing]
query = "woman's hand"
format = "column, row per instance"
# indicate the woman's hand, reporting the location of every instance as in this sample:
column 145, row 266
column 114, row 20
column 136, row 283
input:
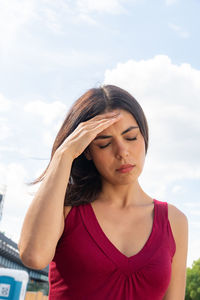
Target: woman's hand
column 86, row 132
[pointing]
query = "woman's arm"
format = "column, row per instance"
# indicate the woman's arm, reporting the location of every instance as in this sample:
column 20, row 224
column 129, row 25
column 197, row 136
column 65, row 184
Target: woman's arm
column 179, row 226
column 44, row 220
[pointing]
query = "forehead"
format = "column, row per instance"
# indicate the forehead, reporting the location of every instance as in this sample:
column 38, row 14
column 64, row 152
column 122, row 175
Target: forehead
column 125, row 114
column 126, row 121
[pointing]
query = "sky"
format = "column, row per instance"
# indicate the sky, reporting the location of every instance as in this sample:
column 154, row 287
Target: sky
column 51, row 52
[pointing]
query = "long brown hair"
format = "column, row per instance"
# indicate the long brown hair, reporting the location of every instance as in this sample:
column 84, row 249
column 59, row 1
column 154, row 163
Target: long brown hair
column 85, row 182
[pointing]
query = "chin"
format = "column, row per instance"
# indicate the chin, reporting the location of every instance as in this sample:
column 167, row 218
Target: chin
column 124, row 181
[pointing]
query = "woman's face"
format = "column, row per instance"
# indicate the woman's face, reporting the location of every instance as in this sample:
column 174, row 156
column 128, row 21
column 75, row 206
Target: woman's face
column 108, row 154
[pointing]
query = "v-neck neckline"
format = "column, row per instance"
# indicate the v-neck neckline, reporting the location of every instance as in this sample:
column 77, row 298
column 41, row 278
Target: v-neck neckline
column 134, row 261
column 100, row 230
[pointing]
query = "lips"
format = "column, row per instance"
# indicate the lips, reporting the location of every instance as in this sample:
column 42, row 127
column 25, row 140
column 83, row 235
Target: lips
column 125, row 167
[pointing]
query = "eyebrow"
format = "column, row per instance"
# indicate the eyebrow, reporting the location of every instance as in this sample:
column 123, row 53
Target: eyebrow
column 109, row 136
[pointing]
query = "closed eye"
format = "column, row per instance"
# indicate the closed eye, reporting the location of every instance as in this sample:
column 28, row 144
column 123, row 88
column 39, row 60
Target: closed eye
column 129, row 139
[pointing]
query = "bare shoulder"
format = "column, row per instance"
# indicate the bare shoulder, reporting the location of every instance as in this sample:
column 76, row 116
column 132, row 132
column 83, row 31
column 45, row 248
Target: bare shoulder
column 179, row 226
column 178, row 220
column 66, row 210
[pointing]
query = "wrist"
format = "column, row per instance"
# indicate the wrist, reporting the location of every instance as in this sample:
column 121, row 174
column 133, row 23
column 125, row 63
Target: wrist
column 64, row 154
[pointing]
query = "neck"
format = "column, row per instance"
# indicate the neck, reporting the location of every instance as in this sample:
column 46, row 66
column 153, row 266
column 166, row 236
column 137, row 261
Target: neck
column 124, row 196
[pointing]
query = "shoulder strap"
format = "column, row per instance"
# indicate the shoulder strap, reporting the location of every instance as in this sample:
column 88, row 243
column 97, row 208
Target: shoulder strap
column 162, row 212
column 164, row 225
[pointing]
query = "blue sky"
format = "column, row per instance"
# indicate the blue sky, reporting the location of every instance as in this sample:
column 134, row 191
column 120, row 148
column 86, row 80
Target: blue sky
column 53, row 51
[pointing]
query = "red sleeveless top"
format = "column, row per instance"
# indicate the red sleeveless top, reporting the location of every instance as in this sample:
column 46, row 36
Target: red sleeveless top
column 87, row 266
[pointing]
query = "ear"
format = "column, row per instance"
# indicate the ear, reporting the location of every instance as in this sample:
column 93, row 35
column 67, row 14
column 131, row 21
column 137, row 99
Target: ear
column 87, row 154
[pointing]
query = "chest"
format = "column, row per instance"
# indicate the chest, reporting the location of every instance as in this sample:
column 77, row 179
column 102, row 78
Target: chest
column 127, row 230
column 85, row 251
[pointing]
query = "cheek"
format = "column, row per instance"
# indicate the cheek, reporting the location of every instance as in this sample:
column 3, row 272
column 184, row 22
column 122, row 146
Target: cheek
column 141, row 152
column 140, row 147
column 102, row 161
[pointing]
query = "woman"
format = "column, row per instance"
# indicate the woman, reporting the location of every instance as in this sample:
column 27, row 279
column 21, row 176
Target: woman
column 90, row 219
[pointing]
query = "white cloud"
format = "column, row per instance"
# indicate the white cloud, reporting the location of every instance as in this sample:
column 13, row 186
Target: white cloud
column 82, row 17
column 51, row 19
column 48, row 111
column 16, row 198
column 54, row 13
column 177, row 189
column 182, row 33
column 48, row 138
column 169, row 95
column 13, row 15
column 193, row 250
column 24, row 152
column 192, row 204
column 5, row 104
column 51, row 60
column 196, row 213
column 5, row 131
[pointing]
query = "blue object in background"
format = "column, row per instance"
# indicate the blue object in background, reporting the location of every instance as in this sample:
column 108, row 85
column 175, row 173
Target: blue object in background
column 13, row 284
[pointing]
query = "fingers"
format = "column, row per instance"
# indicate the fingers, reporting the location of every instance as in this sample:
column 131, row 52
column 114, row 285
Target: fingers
column 103, row 124
column 110, row 119
column 101, row 121
column 111, row 114
column 107, row 115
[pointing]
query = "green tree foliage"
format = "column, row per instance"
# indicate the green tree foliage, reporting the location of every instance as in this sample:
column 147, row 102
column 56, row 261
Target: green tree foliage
column 34, row 286
column 193, row 282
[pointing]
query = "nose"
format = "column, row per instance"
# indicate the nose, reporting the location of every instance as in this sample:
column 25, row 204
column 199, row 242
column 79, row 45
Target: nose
column 121, row 151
